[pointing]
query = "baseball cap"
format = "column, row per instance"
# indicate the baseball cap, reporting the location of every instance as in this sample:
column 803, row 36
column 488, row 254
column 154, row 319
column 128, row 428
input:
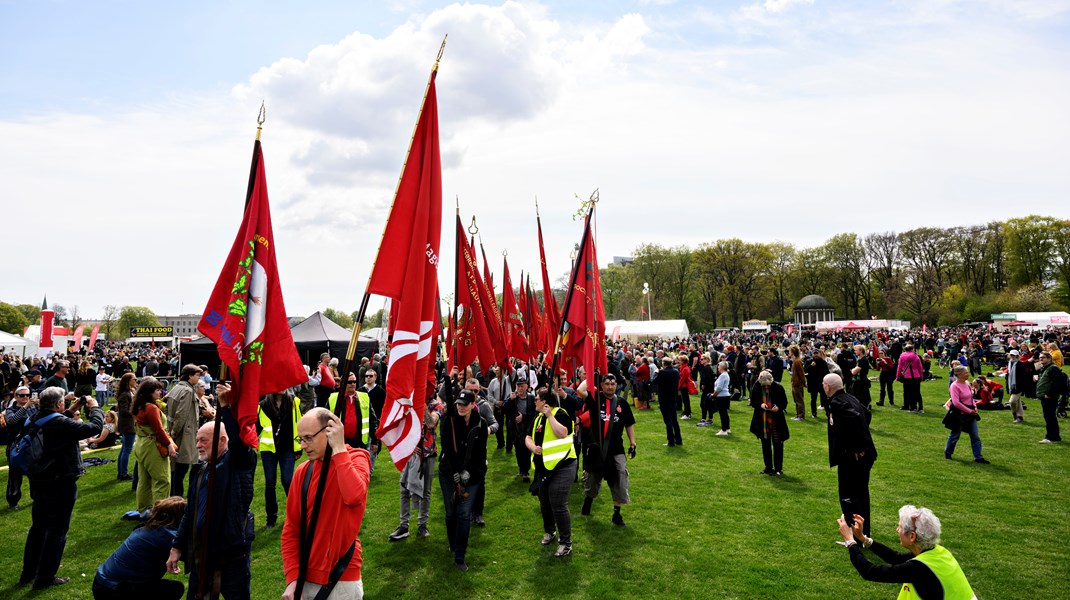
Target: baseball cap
column 465, row 397
column 1013, row 352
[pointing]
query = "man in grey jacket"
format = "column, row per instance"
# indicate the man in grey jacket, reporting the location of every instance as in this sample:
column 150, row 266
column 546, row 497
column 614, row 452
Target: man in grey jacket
column 183, row 414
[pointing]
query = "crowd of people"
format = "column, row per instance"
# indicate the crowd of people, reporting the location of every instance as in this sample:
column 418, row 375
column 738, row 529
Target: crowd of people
column 176, row 424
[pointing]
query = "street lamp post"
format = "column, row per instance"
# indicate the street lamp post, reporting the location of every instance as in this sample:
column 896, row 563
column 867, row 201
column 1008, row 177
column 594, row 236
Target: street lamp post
column 646, row 292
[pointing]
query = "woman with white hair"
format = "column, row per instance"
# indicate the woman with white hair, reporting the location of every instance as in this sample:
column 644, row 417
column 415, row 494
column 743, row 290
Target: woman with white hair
column 768, row 423
column 927, row 570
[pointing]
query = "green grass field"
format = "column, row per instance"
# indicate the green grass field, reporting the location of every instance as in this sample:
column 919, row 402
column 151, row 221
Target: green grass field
column 702, row 524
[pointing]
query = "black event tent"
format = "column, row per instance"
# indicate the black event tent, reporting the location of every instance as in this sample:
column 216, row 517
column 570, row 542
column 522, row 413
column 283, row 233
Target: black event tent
column 313, row 336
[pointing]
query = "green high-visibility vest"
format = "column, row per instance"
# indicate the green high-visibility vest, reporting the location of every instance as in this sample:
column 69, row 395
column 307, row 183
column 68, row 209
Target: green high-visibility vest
column 949, row 573
column 365, row 410
column 267, row 435
column 554, row 449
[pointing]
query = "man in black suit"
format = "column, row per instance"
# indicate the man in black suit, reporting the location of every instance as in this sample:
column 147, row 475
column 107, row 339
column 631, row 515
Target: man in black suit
column 851, row 448
column 520, row 414
column 668, row 386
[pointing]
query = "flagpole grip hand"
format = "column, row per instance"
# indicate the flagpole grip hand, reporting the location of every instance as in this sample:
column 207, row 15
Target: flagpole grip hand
column 223, row 394
column 290, row 591
column 336, row 435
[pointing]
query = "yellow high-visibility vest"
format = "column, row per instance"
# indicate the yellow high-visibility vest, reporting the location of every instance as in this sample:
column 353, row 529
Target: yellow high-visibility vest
column 554, row 449
column 267, row 435
column 365, row 411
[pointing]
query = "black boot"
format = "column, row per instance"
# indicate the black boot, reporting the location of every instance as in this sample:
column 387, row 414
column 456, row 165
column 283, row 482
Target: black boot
column 586, row 510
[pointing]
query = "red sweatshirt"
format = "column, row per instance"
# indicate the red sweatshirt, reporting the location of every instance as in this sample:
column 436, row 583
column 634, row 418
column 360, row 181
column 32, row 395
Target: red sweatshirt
column 340, row 516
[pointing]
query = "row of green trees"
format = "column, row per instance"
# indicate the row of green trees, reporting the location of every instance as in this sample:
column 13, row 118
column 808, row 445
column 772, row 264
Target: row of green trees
column 930, row 274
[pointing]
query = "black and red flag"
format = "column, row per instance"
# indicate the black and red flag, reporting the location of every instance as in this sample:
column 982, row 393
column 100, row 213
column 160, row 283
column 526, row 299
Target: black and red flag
column 245, row 315
column 584, row 328
column 475, row 312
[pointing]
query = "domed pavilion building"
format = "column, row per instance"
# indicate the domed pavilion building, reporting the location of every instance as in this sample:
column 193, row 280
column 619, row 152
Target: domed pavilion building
column 813, row 308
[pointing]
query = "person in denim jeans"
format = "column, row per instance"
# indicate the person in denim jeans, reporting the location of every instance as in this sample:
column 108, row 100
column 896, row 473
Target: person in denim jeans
column 962, row 401
column 462, row 468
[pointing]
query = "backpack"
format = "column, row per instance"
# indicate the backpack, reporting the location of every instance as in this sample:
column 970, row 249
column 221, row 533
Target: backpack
column 29, row 448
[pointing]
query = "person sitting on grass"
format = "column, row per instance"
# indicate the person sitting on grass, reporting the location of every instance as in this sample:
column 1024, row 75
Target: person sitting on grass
column 135, row 570
column 982, row 396
column 107, row 437
column 927, row 570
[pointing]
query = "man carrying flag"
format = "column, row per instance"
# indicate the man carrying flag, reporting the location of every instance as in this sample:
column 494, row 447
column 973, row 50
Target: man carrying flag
column 246, row 318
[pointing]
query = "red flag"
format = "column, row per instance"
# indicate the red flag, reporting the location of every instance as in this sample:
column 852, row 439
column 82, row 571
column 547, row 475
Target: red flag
column 551, row 312
column 515, row 337
column 474, row 299
column 78, row 333
column 488, row 280
column 585, row 339
column 93, row 336
column 406, row 271
column 245, row 315
column 535, row 323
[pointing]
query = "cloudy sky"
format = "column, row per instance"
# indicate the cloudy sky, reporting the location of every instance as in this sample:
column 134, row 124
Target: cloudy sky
column 126, row 129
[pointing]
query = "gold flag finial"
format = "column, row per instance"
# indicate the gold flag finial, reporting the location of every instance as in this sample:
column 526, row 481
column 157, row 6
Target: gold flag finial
column 473, row 228
column 261, row 116
column 441, row 49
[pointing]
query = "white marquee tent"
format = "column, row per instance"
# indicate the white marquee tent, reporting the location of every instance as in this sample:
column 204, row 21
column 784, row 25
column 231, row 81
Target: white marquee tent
column 640, row 330
column 12, row 343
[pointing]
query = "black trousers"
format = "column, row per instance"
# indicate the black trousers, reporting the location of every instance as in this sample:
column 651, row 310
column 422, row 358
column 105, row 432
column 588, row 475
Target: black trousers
column 553, row 503
column 707, row 405
column 685, row 401
column 14, row 481
column 523, row 456
column 723, row 402
column 912, row 394
column 886, row 386
column 813, row 400
column 672, row 424
column 773, row 454
column 1051, row 419
column 500, row 434
column 853, row 479
column 53, row 503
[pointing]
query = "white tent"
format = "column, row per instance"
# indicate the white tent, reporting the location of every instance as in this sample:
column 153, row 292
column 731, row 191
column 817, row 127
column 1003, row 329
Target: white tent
column 637, row 330
column 12, row 343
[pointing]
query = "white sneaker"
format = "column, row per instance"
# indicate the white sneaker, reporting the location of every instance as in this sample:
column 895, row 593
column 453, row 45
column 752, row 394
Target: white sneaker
column 1046, row 441
column 685, row 418
column 723, row 432
column 797, row 419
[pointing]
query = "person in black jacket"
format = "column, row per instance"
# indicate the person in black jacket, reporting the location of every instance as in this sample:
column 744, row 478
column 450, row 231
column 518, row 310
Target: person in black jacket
column 816, row 369
column 520, row 414
column 851, row 448
column 668, row 386
column 462, row 468
column 231, row 529
column 768, row 424
column 55, row 487
column 706, row 378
